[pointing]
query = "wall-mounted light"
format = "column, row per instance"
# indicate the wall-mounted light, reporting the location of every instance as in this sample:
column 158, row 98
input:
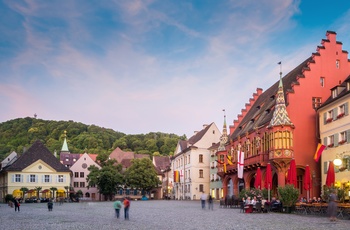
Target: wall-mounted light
column 338, row 161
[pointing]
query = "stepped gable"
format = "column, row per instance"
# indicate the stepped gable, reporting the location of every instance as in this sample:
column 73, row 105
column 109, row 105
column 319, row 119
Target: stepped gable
column 243, row 111
column 261, row 112
column 36, row 152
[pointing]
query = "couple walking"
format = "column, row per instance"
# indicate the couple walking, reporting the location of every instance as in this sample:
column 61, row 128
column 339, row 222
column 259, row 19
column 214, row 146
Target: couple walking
column 203, row 200
column 118, row 205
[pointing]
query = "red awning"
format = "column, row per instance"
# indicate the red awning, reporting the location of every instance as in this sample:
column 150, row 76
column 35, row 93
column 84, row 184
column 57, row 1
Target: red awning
column 45, row 191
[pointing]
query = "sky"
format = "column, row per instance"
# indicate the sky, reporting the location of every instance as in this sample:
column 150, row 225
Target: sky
column 154, row 65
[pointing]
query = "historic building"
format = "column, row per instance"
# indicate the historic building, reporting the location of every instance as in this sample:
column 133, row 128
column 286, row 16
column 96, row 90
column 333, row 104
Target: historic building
column 334, row 123
column 79, row 175
column 281, row 123
column 191, row 163
column 37, row 167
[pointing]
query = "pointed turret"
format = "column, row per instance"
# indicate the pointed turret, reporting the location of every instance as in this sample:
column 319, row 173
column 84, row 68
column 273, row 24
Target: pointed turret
column 224, row 137
column 280, row 114
column 65, row 145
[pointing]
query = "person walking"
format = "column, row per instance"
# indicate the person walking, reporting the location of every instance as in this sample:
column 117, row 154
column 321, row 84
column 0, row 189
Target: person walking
column 126, row 208
column 332, row 207
column 210, row 202
column 50, row 205
column 17, row 204
column 203, row 199
column 117, row 206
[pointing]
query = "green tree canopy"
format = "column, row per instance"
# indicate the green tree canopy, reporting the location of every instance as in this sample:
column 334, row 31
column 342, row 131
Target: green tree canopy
column 142, row 175
column 107, row 179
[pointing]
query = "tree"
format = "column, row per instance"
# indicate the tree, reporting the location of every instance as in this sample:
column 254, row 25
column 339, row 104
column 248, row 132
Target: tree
column 38, row 189
column 142, row 175
column 67, row 190
column 107, row 179
column 53, row 189
column 24, row 191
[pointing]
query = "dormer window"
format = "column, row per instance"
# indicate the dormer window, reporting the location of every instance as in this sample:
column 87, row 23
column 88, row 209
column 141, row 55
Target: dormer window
column 334, row 93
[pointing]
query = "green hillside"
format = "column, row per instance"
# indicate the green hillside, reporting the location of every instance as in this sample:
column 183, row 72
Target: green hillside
column 18, row 134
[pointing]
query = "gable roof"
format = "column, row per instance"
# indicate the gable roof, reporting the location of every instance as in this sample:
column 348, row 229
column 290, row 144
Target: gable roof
column 161, row 162
column 119, row 155
column 261, row 112
column 199, row 135
column 36, row 152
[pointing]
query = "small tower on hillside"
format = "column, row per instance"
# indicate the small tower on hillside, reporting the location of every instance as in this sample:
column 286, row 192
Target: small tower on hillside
column 65, row 145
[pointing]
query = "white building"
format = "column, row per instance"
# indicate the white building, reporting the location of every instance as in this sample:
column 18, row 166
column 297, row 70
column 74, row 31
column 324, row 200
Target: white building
column 191, row 162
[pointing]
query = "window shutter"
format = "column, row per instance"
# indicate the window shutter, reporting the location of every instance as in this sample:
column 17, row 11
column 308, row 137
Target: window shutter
column 336, row 139
column 346, row 111
column 36, row 179
column 13, row 178
column 43, row 178
column 335, row 113
column 50, row 179
column 325, row 141
column 325, row 167
column 64, row 178
column 28, row 178
column 348, row 163
column 348, row 136
column 56, row 178
column 22, row 178
column 324, row 118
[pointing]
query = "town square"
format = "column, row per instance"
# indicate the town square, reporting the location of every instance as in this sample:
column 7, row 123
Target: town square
column 160, row 214
column 155, row 114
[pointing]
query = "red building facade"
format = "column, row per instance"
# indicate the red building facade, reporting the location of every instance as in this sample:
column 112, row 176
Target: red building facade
column 281, row 123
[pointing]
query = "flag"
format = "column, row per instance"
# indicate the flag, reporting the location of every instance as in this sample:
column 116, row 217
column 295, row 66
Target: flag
column 219, row 162
column 240, row 163
column 225, row 168
column 319, row 151
column 229, row 160
column 176, row 176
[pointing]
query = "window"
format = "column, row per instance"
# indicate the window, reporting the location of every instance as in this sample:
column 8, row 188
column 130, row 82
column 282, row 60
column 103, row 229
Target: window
column 341, row 112
column 348, row 85
column 76, row 184
column 76, row 174
column 222, row 158
column 322, row 81
column 67, row 159
column 60, row 178
column 32, row 178
column 316, row 102
column 82, row 184
column 201, row 173
column 201, row 188
column 337, row 64
column 343, row 137
column 200, row 158
column 330, row 116
column 47, row 179
column 18, row 178
column 81, row 174
column 334, row 93
column 330, row 141
column 189, row 159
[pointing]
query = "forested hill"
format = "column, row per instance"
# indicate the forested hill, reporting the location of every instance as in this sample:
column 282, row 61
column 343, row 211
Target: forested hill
column 17, row 134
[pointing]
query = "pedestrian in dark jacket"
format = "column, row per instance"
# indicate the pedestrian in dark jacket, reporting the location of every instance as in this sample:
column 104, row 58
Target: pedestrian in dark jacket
column 17, row 204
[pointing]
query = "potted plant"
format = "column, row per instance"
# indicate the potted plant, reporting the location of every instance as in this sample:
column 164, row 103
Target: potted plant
column 289, row 196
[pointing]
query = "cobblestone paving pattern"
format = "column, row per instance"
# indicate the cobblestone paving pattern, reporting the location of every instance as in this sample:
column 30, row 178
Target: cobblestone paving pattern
column 151, row 215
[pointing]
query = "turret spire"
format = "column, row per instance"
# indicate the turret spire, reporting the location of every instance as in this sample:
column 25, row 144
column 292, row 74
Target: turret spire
column 65, row 145
column 224, row 137
column 280, row 114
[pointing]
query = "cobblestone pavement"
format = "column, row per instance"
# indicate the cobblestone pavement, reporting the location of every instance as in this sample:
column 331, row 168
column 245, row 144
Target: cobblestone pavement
column 160, row 214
